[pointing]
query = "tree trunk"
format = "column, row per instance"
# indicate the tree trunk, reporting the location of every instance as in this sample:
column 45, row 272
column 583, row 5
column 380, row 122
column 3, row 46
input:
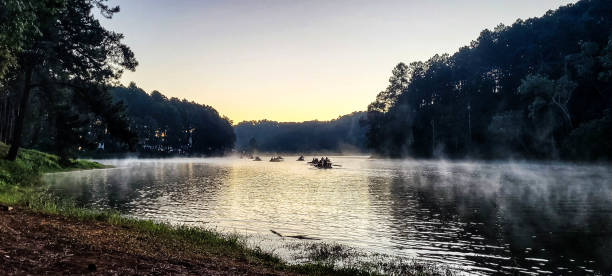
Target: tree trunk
column 565, row 112
column 25, row 96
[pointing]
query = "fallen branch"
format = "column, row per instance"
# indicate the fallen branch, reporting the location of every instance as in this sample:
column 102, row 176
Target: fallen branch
column 300, row 237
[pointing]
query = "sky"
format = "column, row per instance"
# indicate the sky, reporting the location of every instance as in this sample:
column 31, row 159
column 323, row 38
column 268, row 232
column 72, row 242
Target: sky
column 289, row 60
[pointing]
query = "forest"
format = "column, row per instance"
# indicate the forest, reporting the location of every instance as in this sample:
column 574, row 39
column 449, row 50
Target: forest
column 538, row 89
column 56, row 65
column 172, row 126
column 342, row 135
column 59, row 93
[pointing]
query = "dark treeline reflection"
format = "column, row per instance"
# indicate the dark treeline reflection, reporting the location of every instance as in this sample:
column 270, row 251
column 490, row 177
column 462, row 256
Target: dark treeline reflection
column 517, row 217
column 539, row 88
column 344, row 134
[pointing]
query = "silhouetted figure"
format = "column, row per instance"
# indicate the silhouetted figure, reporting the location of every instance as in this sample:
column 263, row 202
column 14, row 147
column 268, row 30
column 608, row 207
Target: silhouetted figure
column 323, row 163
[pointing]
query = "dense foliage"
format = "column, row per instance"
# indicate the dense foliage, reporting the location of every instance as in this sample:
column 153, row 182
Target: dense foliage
column 540, row 88
column 56, row 65
column 172, row 126
column 344, row 134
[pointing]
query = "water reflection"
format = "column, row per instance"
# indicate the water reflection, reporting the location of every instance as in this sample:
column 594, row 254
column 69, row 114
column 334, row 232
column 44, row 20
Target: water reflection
column 504, row 217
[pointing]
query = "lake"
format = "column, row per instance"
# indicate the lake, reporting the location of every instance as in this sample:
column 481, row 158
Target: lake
column 479, row 217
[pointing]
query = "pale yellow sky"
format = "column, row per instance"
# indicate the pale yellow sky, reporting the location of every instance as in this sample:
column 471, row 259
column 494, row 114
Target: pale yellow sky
column 295, row 60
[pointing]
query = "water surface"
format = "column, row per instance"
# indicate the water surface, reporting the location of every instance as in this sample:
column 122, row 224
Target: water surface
column 480, row 217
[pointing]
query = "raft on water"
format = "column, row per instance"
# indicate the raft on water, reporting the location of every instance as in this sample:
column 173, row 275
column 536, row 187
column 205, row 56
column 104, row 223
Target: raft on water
column 276, row 159
column 323, row 163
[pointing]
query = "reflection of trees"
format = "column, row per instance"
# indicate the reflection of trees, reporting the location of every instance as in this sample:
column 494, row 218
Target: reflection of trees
column 102, row 188
column 510, row 207
column 144, row 185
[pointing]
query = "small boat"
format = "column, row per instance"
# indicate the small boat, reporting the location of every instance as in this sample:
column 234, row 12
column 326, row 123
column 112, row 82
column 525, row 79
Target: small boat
column 301, row 158
column 276, row 159
column 257, row 158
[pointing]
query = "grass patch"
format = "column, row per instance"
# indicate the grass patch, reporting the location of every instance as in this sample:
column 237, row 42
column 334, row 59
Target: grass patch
column 331, row 254
column 31, row 164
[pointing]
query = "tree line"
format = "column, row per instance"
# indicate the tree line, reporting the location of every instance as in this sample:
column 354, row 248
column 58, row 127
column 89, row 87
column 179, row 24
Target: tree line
column 59, row 70
column 540, row 88
column 172, row 126
column 343, row 134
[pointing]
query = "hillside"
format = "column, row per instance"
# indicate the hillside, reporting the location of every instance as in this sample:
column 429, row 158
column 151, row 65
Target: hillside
column 344, row 134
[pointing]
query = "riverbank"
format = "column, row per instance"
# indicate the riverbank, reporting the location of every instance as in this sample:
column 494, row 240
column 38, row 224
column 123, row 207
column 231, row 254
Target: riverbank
column 40, row 243
column 41, row 234
column 41, row 237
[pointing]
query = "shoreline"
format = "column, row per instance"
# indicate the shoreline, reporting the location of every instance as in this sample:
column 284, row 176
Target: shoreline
column 77, row 241
column 41, row 234
column 39, row 243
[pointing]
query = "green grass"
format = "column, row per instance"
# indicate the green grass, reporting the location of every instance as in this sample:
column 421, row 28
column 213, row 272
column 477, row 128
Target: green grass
column 31, row 164
column 20, row 180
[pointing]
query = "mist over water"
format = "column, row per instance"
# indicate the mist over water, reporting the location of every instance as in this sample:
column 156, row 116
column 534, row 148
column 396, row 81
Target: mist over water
column 480, row 217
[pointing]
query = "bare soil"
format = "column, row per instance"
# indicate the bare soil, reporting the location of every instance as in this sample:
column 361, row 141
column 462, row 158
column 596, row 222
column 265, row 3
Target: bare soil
column 35, row 243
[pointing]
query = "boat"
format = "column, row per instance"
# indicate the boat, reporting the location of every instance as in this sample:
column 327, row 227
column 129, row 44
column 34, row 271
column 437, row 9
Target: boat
column 276, row 159
column 301, row 158
column 256, row 158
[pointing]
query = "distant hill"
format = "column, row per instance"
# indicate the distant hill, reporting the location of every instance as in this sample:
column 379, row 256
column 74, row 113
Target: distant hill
column 343, row 134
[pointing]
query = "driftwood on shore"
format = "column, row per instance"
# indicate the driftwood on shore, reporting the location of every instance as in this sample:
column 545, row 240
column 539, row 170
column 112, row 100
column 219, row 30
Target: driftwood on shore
column 301, row 237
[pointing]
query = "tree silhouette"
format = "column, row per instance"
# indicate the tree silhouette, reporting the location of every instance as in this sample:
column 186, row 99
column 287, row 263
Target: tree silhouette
column 529, row 89
column 71, row 51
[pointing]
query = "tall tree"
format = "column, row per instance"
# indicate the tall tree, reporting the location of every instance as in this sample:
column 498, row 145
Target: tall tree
column 17, row 23
column 532, row 89
column 73, row 51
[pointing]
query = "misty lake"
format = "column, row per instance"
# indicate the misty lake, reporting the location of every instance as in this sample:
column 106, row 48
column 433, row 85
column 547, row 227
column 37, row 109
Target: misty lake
column 479, row 217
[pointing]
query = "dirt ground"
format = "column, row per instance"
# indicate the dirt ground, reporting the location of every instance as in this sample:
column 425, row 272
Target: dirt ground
column 34, row 243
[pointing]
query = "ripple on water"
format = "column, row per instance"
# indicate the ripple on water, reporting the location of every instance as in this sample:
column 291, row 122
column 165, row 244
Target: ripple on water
column 530, row 218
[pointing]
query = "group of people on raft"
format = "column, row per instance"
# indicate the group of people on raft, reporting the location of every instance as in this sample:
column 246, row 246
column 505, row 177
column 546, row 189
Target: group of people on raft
column 273, row 159
column 323, row 163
